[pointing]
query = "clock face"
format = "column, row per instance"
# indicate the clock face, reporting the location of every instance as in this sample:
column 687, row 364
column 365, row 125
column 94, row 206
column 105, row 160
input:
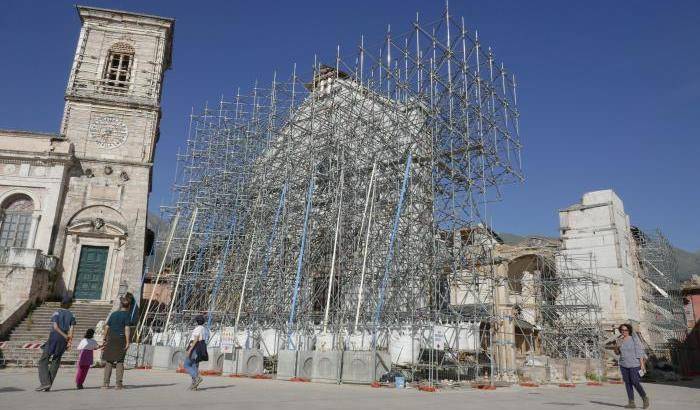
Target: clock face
column 108, row 131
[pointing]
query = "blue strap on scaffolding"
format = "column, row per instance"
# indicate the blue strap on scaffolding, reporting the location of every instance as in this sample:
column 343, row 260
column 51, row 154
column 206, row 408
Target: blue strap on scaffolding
column 222, row 264
column 266, row 261
column 390, row 254
column 300, row 259
column 198, row 263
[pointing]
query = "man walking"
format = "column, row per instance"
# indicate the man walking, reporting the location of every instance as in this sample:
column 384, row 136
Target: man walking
column 60, row 338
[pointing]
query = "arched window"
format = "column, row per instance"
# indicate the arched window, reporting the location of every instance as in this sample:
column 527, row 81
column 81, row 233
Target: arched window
column 16, row 221
column 117, row 74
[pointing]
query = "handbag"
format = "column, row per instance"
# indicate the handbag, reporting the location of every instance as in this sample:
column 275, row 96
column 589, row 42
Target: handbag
column 199, row 352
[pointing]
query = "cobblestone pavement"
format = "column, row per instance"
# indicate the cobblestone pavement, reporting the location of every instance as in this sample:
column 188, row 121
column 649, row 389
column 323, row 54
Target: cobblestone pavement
column 148, row 389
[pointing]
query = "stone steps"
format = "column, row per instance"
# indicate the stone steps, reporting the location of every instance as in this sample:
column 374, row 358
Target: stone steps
column 36, row 326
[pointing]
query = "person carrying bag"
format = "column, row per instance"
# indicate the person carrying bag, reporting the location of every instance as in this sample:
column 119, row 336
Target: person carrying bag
column 197, row 351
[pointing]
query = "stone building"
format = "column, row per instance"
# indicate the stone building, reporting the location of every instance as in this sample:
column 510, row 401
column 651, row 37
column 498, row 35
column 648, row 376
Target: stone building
column 73, row 205
column 636, row 271
column 599, row 226
column 691, row 345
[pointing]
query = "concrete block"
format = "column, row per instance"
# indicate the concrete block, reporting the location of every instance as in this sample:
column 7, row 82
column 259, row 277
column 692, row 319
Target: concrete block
column 286, row 364
column 215, row 362
column 326, row 366
column 358, row 366
column 139, row 355
column 305, row 364
column 178, row 358
column 537, row 374
column 250, row 362
column 229, row 363
column 162, row 356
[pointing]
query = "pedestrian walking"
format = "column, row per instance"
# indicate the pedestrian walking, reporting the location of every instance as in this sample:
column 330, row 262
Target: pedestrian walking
column 632, row 360
column 197, row 351
column 60, row 338
column 117, row 336
column 86, row 348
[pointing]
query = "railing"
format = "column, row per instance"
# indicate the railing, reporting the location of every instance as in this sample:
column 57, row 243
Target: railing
column 28, row 258
column 107, row 89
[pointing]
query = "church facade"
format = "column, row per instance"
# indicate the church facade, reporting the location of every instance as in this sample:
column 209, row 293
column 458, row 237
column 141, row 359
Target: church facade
column 73, row 205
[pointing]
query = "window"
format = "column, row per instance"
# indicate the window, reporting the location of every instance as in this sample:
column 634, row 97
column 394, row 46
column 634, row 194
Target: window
column 117, row 74
column 16, row 221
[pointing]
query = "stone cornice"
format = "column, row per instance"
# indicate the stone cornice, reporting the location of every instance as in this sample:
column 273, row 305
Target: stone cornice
column 18, row 157
column 147, row 104
column 115, row 161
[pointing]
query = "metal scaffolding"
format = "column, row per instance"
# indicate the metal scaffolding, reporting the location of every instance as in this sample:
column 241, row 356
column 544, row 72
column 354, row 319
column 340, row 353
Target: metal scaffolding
column 661, row 303
column 317, row 212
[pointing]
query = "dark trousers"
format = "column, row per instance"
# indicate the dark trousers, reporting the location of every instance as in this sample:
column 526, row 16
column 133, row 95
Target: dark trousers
column 48, row 367
column 631, row 377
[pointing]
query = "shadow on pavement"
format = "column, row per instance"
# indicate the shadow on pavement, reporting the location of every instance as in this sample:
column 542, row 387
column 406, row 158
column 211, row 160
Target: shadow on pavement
column 216, row 387
column 602, row 403
column 126, row 387
column 10, row 389
column 73, row 388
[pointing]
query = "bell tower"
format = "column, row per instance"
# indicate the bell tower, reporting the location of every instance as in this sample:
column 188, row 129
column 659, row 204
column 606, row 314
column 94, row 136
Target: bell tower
column 111, row 116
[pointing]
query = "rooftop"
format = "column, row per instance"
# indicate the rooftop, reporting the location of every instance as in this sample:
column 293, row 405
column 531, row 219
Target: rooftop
column 128, row 13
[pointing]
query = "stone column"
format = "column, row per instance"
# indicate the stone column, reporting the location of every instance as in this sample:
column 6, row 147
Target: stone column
column 505, row 327
column 75, row 246
column 111, row 270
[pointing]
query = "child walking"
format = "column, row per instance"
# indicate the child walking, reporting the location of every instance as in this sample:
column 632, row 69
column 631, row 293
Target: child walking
column 85, row 357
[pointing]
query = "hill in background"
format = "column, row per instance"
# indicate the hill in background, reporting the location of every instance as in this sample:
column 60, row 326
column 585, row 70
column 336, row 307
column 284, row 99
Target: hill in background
column 688, row 262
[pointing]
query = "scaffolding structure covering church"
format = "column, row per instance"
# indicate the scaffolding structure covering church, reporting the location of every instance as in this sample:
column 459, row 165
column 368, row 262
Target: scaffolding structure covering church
column 345, row 208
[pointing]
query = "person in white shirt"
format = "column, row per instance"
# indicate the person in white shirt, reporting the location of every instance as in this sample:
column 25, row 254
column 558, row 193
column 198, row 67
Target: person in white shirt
column 196, row 351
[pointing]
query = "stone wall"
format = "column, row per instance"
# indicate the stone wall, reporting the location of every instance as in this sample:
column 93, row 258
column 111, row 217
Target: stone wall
column 23, row 282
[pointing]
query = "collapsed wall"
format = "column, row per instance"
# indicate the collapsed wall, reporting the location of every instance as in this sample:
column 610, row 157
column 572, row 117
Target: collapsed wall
column 636, row 269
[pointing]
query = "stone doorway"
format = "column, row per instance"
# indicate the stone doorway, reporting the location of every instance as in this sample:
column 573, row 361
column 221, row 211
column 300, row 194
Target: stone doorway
column 91, row 272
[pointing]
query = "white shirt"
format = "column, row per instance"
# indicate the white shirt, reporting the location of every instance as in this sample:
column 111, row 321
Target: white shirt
column 200, row 331
column 87, row 344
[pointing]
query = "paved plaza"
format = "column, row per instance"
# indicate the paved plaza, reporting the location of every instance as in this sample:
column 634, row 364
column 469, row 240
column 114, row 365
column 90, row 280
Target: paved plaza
column 148, row 389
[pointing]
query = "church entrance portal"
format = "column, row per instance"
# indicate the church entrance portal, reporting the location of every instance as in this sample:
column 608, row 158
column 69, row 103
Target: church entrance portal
column 91, row 272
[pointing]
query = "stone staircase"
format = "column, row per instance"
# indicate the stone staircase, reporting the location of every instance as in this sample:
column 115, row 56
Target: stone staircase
column 21, row 347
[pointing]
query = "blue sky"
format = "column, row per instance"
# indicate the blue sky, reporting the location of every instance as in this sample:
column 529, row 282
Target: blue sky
column 609, row 91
